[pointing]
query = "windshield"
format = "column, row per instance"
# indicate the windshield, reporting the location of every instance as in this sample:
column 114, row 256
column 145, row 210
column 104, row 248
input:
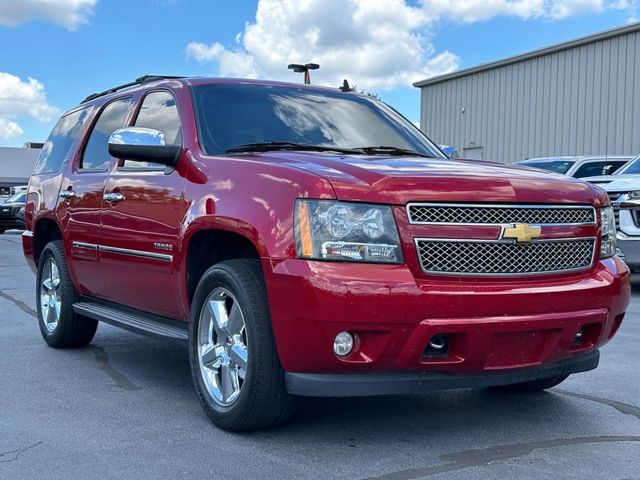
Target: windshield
column 558, row 167
column 633, row 166
column 231, row 116
column 16, row 198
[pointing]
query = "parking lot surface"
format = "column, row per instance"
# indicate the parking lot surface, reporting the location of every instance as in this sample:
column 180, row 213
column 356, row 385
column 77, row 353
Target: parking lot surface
column 125, row 408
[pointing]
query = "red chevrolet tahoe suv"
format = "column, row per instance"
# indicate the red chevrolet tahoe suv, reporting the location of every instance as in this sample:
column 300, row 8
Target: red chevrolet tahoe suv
column 308, row 241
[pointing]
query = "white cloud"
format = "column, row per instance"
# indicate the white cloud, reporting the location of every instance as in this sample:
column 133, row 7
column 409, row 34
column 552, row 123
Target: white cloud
column 66, row 13
column 468, row 11
column 9, row 129
column 374, row 43
column 22, row 99
column 632, row 7
column 569, row 8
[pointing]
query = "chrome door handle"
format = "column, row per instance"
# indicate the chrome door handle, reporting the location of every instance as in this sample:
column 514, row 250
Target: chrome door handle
column 113, row 197
column 66, row 194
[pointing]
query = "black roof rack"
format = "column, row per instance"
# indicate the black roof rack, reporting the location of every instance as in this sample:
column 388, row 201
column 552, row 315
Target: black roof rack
column 137, row 81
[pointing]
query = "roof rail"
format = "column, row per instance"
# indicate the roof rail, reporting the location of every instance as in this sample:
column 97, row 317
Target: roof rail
column 137, row 81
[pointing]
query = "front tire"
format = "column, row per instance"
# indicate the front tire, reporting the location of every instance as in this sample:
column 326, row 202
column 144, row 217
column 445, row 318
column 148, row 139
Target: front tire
column 232, row 352
column 59, row 325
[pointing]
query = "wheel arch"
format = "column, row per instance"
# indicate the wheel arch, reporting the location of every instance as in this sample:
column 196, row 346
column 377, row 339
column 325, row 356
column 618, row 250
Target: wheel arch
column 45, row 230
column 212, row 243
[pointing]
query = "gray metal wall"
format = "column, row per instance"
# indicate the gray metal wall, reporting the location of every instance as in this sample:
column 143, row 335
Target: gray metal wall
column 583, row 100
column 16, row 165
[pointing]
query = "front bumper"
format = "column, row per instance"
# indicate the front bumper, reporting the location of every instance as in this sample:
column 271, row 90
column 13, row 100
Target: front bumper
column 628, row 238
column 27, row 249
column 359, row 385
column 11, row 222
column 630, row 247
column 494, row 326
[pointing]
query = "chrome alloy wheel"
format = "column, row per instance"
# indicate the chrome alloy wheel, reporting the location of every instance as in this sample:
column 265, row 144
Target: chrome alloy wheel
column 50, row 295
column 222, row 347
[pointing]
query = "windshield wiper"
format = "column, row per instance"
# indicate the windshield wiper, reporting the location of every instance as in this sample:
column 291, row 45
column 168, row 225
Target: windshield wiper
column 269, row 146
column 388, row 150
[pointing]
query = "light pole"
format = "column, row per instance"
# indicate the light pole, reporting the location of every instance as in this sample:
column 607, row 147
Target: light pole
column 299, row 68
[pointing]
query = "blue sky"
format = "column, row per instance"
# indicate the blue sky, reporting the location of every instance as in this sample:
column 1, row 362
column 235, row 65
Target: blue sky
column 71, row 48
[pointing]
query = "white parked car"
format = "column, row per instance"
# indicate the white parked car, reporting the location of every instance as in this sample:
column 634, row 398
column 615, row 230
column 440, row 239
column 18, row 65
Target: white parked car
column 579, row 167
column 631, row 168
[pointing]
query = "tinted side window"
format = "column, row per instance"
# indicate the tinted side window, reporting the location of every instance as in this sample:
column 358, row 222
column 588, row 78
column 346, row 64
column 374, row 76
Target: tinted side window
column 594, row 169
column 96, row 154
column 60, row 141
column 557, row 167
column 159, row 112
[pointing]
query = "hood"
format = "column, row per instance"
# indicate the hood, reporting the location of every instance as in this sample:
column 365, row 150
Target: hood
column 398, row 180
column 619, row 183
column 600, row 179
column 11, row 205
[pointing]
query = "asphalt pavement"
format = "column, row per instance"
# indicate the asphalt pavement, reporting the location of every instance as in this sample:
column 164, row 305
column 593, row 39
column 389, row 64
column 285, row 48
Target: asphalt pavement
column 125, row 408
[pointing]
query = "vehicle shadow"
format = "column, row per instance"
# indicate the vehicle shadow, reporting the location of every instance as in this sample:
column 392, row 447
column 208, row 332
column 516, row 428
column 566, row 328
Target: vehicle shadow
column 137, row 363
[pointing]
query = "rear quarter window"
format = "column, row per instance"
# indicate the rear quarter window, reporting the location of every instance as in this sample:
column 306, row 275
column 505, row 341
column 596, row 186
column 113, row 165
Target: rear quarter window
column 60, row 140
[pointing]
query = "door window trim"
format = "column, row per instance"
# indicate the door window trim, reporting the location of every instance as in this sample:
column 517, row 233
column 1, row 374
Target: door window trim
column 87, row 136
column 134, row 117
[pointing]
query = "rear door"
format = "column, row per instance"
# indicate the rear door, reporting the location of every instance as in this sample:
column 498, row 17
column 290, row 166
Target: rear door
column 82, row 202
column 55, row 157
column 140, row 230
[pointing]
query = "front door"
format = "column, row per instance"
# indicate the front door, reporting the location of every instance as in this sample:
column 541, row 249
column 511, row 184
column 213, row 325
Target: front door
column 141, row 221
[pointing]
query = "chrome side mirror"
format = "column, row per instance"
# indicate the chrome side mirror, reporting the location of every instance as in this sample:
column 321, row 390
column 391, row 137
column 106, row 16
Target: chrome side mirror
column 143, row 145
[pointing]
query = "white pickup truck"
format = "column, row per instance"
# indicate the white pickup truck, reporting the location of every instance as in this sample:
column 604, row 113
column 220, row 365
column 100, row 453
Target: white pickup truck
column 623, row 188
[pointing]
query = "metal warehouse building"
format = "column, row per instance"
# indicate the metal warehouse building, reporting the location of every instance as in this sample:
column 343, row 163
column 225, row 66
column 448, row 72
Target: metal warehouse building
column 575, row 98
column 16, row 165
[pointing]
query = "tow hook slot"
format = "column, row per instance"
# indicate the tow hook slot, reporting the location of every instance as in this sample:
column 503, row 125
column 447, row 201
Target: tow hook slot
column 438, row 346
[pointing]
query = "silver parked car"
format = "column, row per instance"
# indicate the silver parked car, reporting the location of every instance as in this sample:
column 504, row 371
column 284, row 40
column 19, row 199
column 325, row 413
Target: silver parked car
column 579, row 167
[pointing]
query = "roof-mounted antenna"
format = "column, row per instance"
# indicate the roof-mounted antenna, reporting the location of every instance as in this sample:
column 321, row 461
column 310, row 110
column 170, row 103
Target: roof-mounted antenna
column 345, row 86
column 299, row 68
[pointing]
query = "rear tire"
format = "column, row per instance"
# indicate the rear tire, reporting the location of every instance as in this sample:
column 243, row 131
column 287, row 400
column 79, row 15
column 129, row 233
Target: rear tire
column 59, row 325
column 234, row 362
column 533, row 386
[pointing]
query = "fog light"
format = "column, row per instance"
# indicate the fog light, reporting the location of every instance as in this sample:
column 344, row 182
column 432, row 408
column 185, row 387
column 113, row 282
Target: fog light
column 343, row 344
column 579, row 336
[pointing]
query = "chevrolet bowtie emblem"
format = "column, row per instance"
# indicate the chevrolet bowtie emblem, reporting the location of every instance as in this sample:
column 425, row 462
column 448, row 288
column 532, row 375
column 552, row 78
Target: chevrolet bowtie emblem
column 521, row 232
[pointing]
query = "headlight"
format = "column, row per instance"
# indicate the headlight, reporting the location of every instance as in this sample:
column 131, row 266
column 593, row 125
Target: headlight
column 608, row 233
column 355, row 232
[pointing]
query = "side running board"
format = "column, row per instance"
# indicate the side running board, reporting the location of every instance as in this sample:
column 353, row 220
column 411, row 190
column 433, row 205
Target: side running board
column 133, row 321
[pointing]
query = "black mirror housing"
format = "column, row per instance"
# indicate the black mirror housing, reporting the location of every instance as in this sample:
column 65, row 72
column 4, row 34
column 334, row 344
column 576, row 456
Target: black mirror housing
column 143, row 145
column 163, row 154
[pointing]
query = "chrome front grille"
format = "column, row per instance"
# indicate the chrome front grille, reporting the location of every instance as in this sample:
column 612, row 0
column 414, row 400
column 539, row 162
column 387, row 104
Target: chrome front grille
column 502, row 258
column 460, row 214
